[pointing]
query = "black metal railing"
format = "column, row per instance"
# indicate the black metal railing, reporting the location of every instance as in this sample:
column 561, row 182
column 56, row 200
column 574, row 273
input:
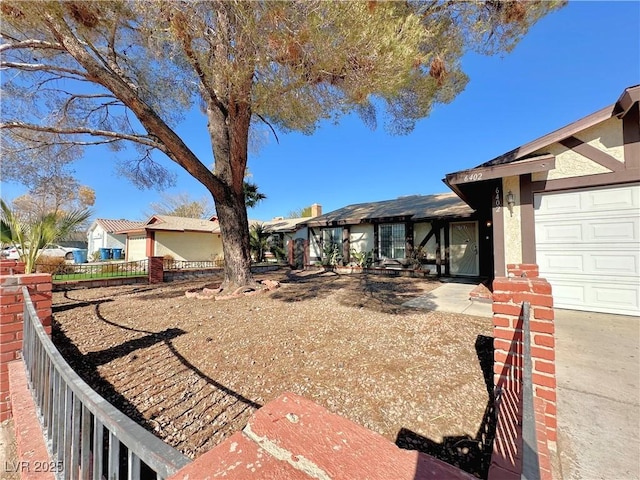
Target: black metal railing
column 88, row 438
column 90, row 271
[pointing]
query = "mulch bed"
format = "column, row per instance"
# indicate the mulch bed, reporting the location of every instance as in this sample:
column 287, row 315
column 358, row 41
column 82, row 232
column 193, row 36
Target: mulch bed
column 193, row 370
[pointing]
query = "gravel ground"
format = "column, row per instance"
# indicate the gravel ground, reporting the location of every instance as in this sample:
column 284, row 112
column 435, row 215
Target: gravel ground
column 8, row 453
column 193, row 370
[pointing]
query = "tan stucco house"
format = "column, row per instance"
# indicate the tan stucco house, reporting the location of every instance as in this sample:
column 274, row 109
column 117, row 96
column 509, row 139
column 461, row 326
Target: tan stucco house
column 178, row 237
column 291, row 234
column 569, row 202
column 443, row 227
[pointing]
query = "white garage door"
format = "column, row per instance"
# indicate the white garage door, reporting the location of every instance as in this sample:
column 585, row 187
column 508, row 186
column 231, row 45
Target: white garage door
column 588, row 248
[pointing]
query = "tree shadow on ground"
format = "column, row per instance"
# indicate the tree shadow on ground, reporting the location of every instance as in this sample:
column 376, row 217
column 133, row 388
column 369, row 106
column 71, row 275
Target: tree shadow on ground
column 89, row 373
column 371, row 292
column 471, row 454
column 156, row 386
column 316, row 285
column 381, row 294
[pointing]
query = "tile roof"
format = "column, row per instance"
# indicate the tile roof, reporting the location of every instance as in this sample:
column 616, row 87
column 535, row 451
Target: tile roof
column 111, row 226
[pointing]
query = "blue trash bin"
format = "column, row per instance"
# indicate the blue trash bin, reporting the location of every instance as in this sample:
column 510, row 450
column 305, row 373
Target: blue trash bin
column 80, row 256
column 116, row 253
column 105, row 253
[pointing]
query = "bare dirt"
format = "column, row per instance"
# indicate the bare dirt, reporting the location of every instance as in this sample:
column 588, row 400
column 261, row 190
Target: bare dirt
column 192, row 371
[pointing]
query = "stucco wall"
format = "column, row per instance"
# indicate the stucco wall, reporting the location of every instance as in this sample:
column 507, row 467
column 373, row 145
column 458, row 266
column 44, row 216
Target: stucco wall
column 361, row 238
column 606, row 136
column 95, row 238
column 99, row 238
column 136, row 248
column 512, row 220
column 420, row 231
column 315, row 252
column 188, row 245
column 115, row 241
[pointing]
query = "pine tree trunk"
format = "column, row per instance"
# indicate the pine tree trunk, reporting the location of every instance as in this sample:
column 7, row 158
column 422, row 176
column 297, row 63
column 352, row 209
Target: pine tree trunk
column 229, row 130
column 232, row 215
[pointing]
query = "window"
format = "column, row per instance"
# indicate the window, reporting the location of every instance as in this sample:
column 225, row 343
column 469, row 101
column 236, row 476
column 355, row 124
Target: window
column 332, row 236
column 392, row 240
column 331, row 245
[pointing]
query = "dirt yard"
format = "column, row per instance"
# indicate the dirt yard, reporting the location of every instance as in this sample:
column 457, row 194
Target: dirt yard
column 193, row 371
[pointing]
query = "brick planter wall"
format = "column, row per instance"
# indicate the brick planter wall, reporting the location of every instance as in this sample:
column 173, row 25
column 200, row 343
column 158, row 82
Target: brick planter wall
column 509, row 294
column 11, row 267
column 156, row 269
column 11, row 308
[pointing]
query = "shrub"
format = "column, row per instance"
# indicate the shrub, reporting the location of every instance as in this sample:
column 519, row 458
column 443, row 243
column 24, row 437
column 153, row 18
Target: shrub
column 218, row 261
column 111, row 268
column 168, row 262
column 52, row 265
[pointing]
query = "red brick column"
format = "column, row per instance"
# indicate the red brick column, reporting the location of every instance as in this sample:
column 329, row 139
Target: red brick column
column 290, row 251
column 11, row 308
column 509, row 294
column 156, row 269
column 529, row 270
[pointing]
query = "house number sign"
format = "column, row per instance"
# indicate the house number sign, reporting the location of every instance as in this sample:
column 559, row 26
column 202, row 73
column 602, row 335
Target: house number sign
column 497, row 202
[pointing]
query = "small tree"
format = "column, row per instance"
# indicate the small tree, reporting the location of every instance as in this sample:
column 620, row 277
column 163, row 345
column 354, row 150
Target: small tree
column 181, row 205
column 29, row 237
column 258, row 242
column 300, row 213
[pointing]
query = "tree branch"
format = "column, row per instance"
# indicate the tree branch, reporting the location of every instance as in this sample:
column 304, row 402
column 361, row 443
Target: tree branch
column 32, row 43
column 143, row 140
column 269, row 125
column 42, row 67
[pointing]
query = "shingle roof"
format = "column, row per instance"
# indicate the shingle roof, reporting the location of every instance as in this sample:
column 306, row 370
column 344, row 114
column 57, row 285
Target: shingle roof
column 285, row 224
column 415, row 207
column 111, row 226
column 181, row 224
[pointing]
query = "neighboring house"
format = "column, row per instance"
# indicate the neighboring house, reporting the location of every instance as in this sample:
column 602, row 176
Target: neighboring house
column 441, row 228
column 291, row 234
column 178, row 237
column 102, row 234
column 569, row 202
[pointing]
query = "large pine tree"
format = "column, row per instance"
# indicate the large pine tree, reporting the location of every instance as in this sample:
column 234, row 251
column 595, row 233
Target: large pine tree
column 116, row 72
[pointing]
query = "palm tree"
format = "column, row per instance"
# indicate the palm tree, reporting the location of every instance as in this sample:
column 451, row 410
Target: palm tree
column 30, row 237
column 258, row 241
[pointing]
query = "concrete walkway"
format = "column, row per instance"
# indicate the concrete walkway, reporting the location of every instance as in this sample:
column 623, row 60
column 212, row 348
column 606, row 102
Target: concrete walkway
column 598, row 378
column 453, row 296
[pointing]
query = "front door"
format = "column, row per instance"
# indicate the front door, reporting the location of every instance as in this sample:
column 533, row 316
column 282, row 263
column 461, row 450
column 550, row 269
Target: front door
column 463, row 249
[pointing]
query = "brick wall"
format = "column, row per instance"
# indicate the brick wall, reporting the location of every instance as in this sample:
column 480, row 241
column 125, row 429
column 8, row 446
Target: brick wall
column 156, row 269
column 11, row 308
column 528, row 270
column 509, row 294
column 11, row 267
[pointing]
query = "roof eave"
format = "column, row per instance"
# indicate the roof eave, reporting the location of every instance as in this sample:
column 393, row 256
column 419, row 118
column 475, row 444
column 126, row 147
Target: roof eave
column 541, row 163
column 627, row 100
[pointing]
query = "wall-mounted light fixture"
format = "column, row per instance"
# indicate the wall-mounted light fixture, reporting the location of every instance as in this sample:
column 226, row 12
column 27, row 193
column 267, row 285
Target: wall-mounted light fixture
column 511, row 201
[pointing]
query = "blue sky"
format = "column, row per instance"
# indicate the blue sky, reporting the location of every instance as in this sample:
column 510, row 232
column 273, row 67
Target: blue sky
column 573, row 62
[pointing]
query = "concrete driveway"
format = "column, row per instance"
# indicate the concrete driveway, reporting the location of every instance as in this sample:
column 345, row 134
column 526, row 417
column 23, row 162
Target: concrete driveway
column 598, row 378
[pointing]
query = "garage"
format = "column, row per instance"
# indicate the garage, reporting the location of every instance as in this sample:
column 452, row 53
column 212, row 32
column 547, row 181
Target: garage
column 588, row 247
